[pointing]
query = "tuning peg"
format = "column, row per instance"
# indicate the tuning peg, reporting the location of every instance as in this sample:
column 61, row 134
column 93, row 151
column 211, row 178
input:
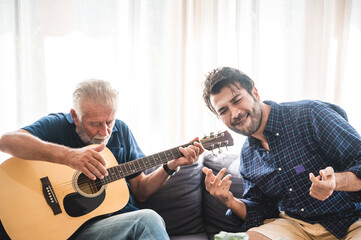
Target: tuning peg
column 219, row 150
column 220, row 133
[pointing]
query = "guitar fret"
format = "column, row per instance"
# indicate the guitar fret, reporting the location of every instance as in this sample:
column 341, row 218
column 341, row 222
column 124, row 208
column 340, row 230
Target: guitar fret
column 136, row 164
column 119, row 172
column 171, row 152
column 147, row 161
column 169, row 155
column 162, row 155
column 131, row 166
column 176, row 153
column 103, row 182
column 144, row 162
column 156, row 159
column 111, row 175
column 129, row 170
column 152, row 160
column 124, row 169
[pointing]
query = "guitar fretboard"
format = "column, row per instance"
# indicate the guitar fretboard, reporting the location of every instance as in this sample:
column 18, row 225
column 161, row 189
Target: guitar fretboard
column 141, row 164
column 125, row 169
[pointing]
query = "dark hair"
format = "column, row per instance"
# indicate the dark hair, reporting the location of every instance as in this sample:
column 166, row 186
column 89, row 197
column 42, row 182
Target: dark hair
column 221, row 77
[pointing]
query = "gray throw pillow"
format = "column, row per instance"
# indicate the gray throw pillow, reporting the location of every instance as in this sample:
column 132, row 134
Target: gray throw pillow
column 214, row 210
column 178, row 201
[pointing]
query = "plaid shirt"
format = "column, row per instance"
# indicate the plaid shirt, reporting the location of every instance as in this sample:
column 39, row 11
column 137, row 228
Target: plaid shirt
column 303, row 137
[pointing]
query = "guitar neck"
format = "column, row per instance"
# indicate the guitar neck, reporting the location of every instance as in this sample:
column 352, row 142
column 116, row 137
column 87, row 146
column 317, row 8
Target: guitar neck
column 120, row 171
column 141, row 164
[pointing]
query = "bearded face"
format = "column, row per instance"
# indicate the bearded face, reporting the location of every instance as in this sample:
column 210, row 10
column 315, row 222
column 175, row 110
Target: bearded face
column 248, row 122
column 238, row 109
column 97, row 139
column 95, row 122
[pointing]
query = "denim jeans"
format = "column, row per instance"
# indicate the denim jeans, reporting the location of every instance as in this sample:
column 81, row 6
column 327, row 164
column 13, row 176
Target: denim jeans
column 140, row 224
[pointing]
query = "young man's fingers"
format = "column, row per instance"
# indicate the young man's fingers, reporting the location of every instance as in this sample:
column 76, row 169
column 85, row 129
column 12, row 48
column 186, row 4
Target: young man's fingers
column 209, row 173
column 323, row 174
column 313, row 178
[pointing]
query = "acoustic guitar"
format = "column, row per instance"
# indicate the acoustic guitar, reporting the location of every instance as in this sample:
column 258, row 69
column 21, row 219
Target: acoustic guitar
column 43, row 200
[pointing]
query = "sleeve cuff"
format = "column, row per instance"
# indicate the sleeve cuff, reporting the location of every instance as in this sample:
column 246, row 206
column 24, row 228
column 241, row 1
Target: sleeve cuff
column 355, row 196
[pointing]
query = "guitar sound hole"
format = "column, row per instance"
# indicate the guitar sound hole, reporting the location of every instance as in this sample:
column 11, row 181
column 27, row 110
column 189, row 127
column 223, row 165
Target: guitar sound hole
column 88, row 186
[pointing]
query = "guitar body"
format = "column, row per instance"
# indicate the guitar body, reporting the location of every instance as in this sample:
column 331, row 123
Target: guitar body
column 42, row 200
column 25, row 212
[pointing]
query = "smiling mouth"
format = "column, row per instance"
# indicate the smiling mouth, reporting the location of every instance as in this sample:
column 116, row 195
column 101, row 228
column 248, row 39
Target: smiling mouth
column 240, row 121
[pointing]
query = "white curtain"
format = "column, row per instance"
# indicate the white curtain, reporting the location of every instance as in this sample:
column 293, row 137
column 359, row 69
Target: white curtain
column 157, row 53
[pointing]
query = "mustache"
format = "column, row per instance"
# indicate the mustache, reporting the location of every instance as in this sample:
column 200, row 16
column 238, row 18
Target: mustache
column 99, row 137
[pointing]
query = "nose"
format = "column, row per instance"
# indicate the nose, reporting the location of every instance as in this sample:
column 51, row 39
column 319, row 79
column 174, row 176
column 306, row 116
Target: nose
column 104, row 129
column 234, row 111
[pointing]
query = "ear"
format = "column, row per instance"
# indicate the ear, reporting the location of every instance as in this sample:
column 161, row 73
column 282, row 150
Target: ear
column 74, row 116
column 255, row 94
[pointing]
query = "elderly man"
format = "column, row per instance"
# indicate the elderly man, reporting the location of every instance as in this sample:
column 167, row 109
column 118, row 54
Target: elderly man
column 63, row 138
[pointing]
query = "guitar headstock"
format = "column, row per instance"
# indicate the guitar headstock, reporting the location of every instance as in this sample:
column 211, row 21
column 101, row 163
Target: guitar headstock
column 213, row 141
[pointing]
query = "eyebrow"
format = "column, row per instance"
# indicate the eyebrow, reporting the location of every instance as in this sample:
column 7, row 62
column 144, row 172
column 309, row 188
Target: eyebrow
column 235, row 96
column 232, row 100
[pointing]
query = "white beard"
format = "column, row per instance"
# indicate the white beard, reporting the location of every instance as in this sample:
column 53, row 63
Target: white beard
column 97, row 139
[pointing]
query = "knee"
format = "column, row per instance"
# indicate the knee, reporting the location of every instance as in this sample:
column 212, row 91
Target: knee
column 151, row 217
column 256, row 236
column 151, row 226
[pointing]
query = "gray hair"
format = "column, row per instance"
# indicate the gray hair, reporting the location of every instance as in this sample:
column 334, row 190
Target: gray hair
column 96, row 90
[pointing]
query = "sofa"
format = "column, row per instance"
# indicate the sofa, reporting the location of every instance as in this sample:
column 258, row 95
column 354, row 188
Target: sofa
column 189, row 211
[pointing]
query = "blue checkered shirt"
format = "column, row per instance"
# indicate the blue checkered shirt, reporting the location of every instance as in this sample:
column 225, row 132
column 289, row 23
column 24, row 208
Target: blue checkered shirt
column 303, row 137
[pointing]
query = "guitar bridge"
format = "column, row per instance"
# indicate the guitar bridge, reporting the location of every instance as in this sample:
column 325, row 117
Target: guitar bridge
column 50, row 196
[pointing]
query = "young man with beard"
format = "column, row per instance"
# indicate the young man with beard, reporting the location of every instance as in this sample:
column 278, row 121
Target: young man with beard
column 62, row 138
column 301, row 163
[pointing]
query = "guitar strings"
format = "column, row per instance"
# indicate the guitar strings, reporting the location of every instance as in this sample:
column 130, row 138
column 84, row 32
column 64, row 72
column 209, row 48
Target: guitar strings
column 87, row 185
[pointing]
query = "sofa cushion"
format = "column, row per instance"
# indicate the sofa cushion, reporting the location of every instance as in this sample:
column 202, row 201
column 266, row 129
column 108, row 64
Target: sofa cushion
column 178, row 201
column 214, row 210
